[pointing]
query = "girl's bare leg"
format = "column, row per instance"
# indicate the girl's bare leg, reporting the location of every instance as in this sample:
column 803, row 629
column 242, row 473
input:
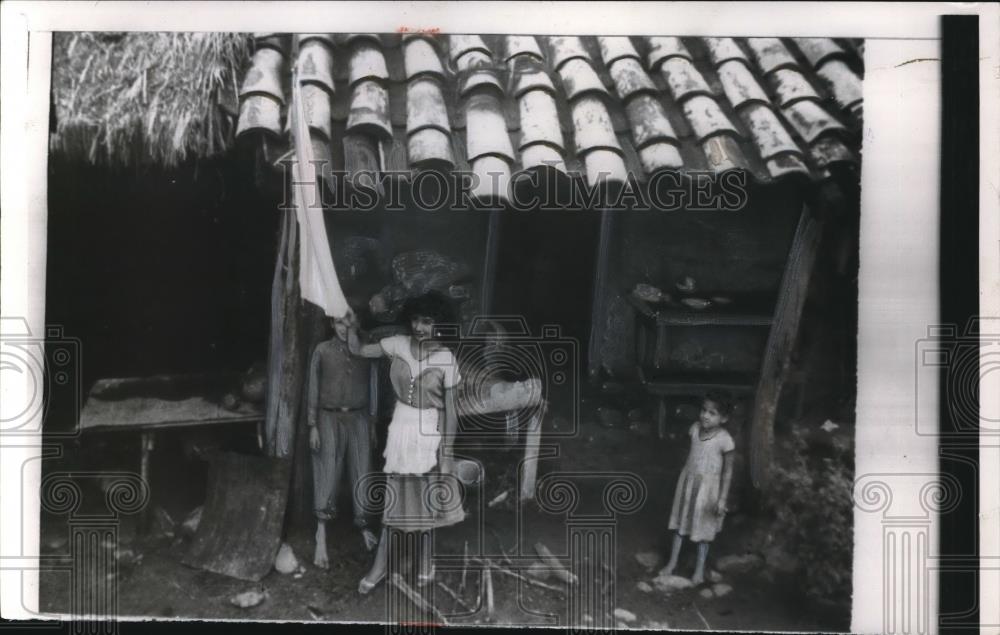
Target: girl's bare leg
column 675, row 552
column 699, row 567
column 320, row 558
column 378, row 570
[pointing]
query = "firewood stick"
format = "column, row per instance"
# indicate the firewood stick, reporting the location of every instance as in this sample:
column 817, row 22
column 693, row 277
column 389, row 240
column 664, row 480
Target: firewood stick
column 514, row 574
column 416, row 598
column 552, row 561
column 488, row 576
column 465, row 566
column 454, row 596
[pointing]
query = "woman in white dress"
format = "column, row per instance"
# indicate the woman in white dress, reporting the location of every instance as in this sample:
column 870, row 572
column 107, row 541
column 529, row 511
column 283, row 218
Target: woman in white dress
column 421, row 491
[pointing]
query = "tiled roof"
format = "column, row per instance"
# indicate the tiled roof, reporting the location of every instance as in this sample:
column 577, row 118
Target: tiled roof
column 590, row 105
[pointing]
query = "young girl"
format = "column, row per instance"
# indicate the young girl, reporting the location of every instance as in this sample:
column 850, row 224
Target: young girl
column 700, row 498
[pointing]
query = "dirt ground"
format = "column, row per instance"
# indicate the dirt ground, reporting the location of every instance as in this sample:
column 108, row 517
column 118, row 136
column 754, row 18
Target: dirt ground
column 151, row 581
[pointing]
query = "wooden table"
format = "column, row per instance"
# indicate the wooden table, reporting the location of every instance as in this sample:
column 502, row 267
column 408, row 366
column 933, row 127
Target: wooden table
column 652, row 347
column 147, row 405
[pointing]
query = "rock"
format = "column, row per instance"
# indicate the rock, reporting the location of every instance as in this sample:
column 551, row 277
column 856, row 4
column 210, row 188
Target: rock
column 706, row 593
column 668, row 583
column 248, row 599
column 648, row 559
column 739, row 563
column 587, row 619
column 286, row 562
column 190, row 524
column 829, row 426
column 625, row 615
column 621, row 625
column 721, row 590
column 714, row 576
column 644, row 587
column 657, row 626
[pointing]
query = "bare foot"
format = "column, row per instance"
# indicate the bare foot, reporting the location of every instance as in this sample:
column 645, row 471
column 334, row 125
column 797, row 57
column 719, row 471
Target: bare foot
column 698, row 578
column 321, row 560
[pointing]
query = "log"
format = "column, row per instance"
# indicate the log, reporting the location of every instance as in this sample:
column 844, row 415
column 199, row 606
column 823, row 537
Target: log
column 498, row 396
column 781, row 341
column 488, row 581
column 465, row 565
column 564, row 574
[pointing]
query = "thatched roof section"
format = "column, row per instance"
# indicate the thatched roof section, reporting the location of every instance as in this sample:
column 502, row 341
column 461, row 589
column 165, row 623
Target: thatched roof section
column 145, row 98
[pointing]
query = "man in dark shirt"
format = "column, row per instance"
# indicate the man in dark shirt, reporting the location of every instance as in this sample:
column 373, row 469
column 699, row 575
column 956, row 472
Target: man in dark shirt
column 340, row 432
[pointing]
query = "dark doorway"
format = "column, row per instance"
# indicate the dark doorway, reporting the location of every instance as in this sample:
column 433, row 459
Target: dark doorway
column 545, row 270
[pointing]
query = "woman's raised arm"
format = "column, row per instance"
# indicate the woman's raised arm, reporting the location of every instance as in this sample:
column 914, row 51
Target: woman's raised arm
column 371, row 351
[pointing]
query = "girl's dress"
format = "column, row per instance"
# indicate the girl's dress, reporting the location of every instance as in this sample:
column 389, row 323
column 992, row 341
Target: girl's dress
column 694, row 511
column 418, row 496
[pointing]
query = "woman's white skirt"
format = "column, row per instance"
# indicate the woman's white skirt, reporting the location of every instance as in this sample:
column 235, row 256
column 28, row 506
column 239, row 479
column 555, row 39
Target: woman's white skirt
column 412, row 441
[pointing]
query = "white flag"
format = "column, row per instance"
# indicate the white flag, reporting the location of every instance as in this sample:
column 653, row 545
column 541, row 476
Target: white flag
column 317, row 275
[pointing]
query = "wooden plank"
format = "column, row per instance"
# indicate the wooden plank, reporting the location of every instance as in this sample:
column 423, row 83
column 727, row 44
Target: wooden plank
column 162, row 401
column 529, row 469
column 781, row 342
column 680, row 316
column 283, row 286
column 696, row 383
column 490, row 262
column 599, row 313
column 240, row 529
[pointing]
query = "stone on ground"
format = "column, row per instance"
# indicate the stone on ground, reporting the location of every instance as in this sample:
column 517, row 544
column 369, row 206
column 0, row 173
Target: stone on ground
column 706, row 593
column 721, row 590
column 669, row 583
column 625, row 615
column 714, row 576
column 286, row 562
column 644, row 587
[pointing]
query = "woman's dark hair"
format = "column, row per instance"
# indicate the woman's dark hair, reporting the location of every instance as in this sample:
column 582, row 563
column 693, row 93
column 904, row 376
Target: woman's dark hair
column 723, row 402
column 433, row 305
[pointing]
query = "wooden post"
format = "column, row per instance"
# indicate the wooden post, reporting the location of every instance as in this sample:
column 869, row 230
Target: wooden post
column 529, row 469
column 781, row 342
column 490, row 262
column 598, row 316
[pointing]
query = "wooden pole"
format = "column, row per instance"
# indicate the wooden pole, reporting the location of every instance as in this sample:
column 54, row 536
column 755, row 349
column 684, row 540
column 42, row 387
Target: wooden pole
column 781, row 342
column 598, row 316
column 490, row 261
column 529, row 469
